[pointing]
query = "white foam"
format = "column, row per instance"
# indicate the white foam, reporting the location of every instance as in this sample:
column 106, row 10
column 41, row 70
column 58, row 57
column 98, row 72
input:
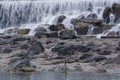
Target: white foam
column 20, row 12
column 27, row 11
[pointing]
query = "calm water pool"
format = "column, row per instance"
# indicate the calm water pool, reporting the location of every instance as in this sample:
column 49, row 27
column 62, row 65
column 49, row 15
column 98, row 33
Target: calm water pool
column 58, row 76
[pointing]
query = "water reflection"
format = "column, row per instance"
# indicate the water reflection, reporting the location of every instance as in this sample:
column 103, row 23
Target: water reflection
column 59, row 76
column 10, row 76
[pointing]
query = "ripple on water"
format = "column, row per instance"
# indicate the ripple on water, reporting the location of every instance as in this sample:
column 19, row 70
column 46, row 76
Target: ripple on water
column 59, row 76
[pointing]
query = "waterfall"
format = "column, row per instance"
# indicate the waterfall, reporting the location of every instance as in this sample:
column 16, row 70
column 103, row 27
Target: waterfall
column 17, row 12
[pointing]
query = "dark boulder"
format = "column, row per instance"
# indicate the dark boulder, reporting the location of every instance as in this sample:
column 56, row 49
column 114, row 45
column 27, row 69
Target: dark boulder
column 61, row 18
column 74, row 21
column 115, row 60
column 20, row 38
column 57, row 27
column 63, row 50
column 25, row 46
column 118, row 47
column 3, row 42
column 52, row 34
column 116, row 12
column 106, row 14
column 90, row 7
column 61, row 43
column 67, row 50
column 60, row 27
column 93, row 21
column 81, row 28
column 40, row 29
column 36, row 47
column 92, row 15
column 97, row 30
column 40, row 32
column 49, row 41
column 7, row 50
column 57, row 48
column 104, row 52
column 101, row 28
column 95, row 59
column 67, row 34
column 11, row 31
column 23, row 54
column 85, row 55
column 82, row 48
column 16, row 64
column 17, row 40
column 52, row 28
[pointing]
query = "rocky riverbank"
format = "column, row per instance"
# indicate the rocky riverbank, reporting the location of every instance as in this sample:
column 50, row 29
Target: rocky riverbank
column 28, row 54
column 59, row 47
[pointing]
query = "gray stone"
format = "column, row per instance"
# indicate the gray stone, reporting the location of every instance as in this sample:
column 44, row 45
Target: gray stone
column 7, row 50
column 67, row 34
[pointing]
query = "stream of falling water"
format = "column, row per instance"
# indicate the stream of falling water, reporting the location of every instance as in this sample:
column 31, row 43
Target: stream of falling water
column 19, row 12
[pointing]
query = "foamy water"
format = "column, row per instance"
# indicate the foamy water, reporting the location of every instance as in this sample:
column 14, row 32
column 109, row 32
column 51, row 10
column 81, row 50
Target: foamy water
column 23, row 12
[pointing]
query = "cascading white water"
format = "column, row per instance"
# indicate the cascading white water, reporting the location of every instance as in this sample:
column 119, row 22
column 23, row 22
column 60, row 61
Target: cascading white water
column 17, row 12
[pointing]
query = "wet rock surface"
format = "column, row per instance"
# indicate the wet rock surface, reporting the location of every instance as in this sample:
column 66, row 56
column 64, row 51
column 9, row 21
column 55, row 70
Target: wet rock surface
column 27, row 54
column 106, row 14
column 57, row 48
column 67, row 34
column 57, row 27
column 81, row 28
column 61, row 18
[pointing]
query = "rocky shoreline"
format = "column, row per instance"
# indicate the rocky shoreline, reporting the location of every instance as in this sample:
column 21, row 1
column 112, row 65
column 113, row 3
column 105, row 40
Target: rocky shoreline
column 57, row 48
column 29, row 54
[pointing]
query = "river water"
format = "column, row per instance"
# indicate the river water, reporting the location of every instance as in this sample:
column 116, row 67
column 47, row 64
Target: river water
column 59, row 76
